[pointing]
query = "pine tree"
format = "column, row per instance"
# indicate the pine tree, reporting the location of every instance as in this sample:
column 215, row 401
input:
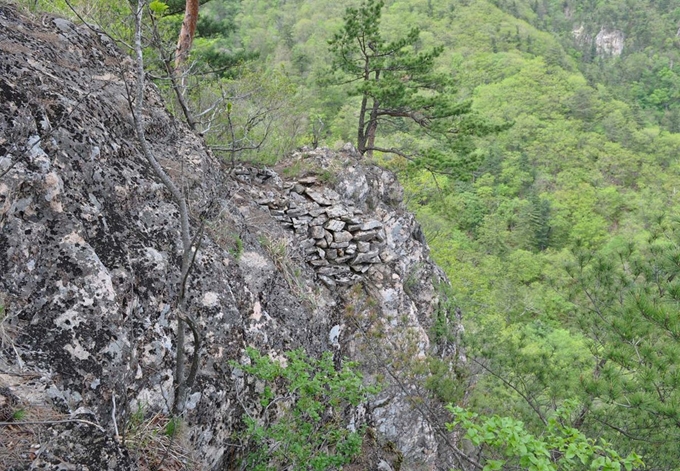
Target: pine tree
column 628, row 305
column 400, row 86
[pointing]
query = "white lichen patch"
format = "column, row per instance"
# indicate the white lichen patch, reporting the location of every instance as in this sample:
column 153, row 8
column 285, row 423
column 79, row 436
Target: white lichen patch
column 73, row 238
column 254, row 260
column 98, row 284
column 121, row 191
column 4, row 192
column 210, row 299
column 77, row 351
column 115, row 348
column 156, row 258
column 156, row 398
column 193, row 400
column 153, row 353
column 256, row 269
column 257, row 312
column 334, row 335
column 68, row 320
column 53, row 188
column 108, row 77
column 38, row 156
column 102, row 285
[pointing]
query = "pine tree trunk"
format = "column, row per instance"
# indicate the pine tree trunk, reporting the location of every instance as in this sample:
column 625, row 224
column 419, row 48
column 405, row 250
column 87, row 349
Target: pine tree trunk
column 371, row 129
column 186, row 35
column 361, row 137
column 372, row 124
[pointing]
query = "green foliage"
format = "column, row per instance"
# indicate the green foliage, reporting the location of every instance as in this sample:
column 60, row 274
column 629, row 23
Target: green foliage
column 111, row 16
column 256, row 114
column 445, row 373
column 237, row 251
column 158, row 7
column 173, row 427
column 506, row 444
column 300, row 423
column 588, row 167
column 444, row 324
column 587, row 163
column 19, row 415
column 399, row 88
column 626, row 301
column 643, row 75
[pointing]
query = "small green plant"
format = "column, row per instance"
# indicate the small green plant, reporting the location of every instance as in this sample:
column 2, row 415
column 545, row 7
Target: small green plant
column 155, row 441
column 19, row 414
column 328, row 177
column 296, row 170
column 301, row 168
column 173, row 427
column 445, row 324
column 413, row 279
column 300, row 424
column 137, row 417
column 237, row 251
column 278, row 251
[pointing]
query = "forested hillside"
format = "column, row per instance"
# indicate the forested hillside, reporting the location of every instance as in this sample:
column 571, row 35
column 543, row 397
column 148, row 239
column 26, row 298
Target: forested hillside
column 551, row 201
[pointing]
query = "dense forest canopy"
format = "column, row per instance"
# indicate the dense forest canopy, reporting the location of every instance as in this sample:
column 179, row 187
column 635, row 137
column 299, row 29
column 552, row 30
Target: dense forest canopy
column 558, row 227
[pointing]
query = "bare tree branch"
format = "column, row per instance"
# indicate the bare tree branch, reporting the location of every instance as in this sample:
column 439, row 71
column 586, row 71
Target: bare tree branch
column 180, row 200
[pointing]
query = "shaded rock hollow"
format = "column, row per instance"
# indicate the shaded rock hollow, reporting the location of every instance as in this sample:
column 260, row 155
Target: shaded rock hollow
column 90, row 252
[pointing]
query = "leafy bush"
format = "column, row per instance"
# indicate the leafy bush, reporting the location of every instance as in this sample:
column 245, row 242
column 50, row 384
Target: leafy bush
column 559, row 448
column 300, row 420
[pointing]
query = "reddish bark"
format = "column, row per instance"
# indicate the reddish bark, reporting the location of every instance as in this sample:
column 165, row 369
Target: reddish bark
column 186, row 35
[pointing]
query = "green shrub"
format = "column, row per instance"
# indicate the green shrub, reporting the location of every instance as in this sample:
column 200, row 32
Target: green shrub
column 506, row 444
column 300, row 424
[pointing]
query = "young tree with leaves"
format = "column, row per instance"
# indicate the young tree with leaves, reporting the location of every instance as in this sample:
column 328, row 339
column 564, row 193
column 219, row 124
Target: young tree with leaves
column 505, row 443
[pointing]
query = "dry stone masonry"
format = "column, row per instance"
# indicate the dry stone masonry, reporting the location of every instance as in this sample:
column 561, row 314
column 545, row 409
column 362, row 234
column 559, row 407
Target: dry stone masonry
column 339, row 241
column 341, row 236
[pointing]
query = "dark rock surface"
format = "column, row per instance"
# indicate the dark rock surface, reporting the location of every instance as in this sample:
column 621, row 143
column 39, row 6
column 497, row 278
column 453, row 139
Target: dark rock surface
column 90, row 252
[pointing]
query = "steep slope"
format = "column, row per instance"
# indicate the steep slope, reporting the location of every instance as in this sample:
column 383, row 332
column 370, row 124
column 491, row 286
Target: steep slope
column 89, row 255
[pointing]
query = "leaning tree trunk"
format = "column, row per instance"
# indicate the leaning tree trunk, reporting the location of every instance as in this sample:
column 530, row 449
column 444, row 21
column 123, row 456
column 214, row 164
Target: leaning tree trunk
column 361, row 137
column 371, row 130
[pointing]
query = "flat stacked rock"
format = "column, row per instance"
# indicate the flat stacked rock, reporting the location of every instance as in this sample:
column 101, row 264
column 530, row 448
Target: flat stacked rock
column 338, row 240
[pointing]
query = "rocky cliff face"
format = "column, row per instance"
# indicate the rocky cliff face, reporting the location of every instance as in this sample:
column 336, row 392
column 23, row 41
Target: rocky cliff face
column 607, row 42
column 318, row 253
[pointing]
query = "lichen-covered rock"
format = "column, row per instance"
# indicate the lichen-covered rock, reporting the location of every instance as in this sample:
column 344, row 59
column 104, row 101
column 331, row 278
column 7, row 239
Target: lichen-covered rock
column 83, row 444
column 90, row 256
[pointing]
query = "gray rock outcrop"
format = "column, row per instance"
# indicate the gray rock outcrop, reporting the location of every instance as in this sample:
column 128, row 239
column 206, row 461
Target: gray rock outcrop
column 90, row 253
column 610, row 42
column 607, row 42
